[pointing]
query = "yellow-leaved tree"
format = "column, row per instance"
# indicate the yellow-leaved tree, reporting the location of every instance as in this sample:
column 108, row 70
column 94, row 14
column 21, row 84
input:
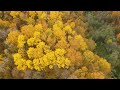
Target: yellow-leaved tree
column 51, row 43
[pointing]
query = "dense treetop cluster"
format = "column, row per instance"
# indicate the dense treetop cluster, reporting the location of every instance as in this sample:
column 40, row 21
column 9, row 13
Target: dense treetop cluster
column 59, row 44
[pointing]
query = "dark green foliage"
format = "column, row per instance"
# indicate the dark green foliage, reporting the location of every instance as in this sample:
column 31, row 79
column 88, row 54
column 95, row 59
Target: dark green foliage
column 100, row 30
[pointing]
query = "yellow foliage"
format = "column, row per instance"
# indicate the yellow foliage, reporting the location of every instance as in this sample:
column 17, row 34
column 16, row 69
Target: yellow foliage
column 34, row 53
column 89, row 56
column 72, row 24
column 62, row 44
column 105, row 67
column 22, row 52
column 82, row 43
column 60, row 52
column 29, row 64
column 58, row 32
column 27, row 30
column 96, row 75
column 109, row 41
column 31, row 20
column 78, row 43
column 37, row 35
column 52, row 39
column 59, row 23
column 13, row 37
column 21, row 64
column 32, row 13
column 4, row 23
column 55, row 15
column 21, row 41
column 39, row 27
column 14, row 14
column 31, row 41
column 68, row 29
column 75, row 57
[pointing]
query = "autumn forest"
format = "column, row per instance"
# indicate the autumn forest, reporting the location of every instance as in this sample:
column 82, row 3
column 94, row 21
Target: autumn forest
column 59, row 45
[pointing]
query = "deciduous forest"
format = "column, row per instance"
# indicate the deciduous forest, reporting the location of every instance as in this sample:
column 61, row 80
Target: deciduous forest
column 59, row 44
